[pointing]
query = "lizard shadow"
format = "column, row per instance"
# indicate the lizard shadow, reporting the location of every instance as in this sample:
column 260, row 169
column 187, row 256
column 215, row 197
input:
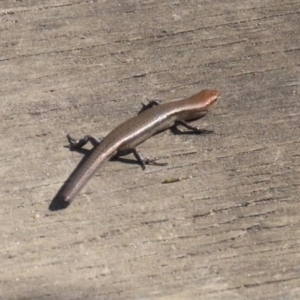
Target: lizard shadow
column 58, row 201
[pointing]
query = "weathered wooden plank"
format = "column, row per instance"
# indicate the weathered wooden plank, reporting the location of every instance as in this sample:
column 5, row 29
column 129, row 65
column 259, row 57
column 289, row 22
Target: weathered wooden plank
column 229, row 229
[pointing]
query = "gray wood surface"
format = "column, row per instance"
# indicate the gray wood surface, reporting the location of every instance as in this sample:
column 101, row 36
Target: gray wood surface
column 229, row 229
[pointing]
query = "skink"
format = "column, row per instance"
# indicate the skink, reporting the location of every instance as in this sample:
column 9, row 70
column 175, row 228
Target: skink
column 124, row 138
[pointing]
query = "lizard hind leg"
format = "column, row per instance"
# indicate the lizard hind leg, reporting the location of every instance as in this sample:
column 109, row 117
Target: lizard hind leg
column 78, row 144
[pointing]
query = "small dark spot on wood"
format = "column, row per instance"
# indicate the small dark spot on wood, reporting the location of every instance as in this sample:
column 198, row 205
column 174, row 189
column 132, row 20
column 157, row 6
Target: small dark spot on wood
column 139, row 75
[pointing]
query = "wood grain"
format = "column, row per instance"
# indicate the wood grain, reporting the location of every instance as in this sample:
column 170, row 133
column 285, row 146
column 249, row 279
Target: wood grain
column 229, row 229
